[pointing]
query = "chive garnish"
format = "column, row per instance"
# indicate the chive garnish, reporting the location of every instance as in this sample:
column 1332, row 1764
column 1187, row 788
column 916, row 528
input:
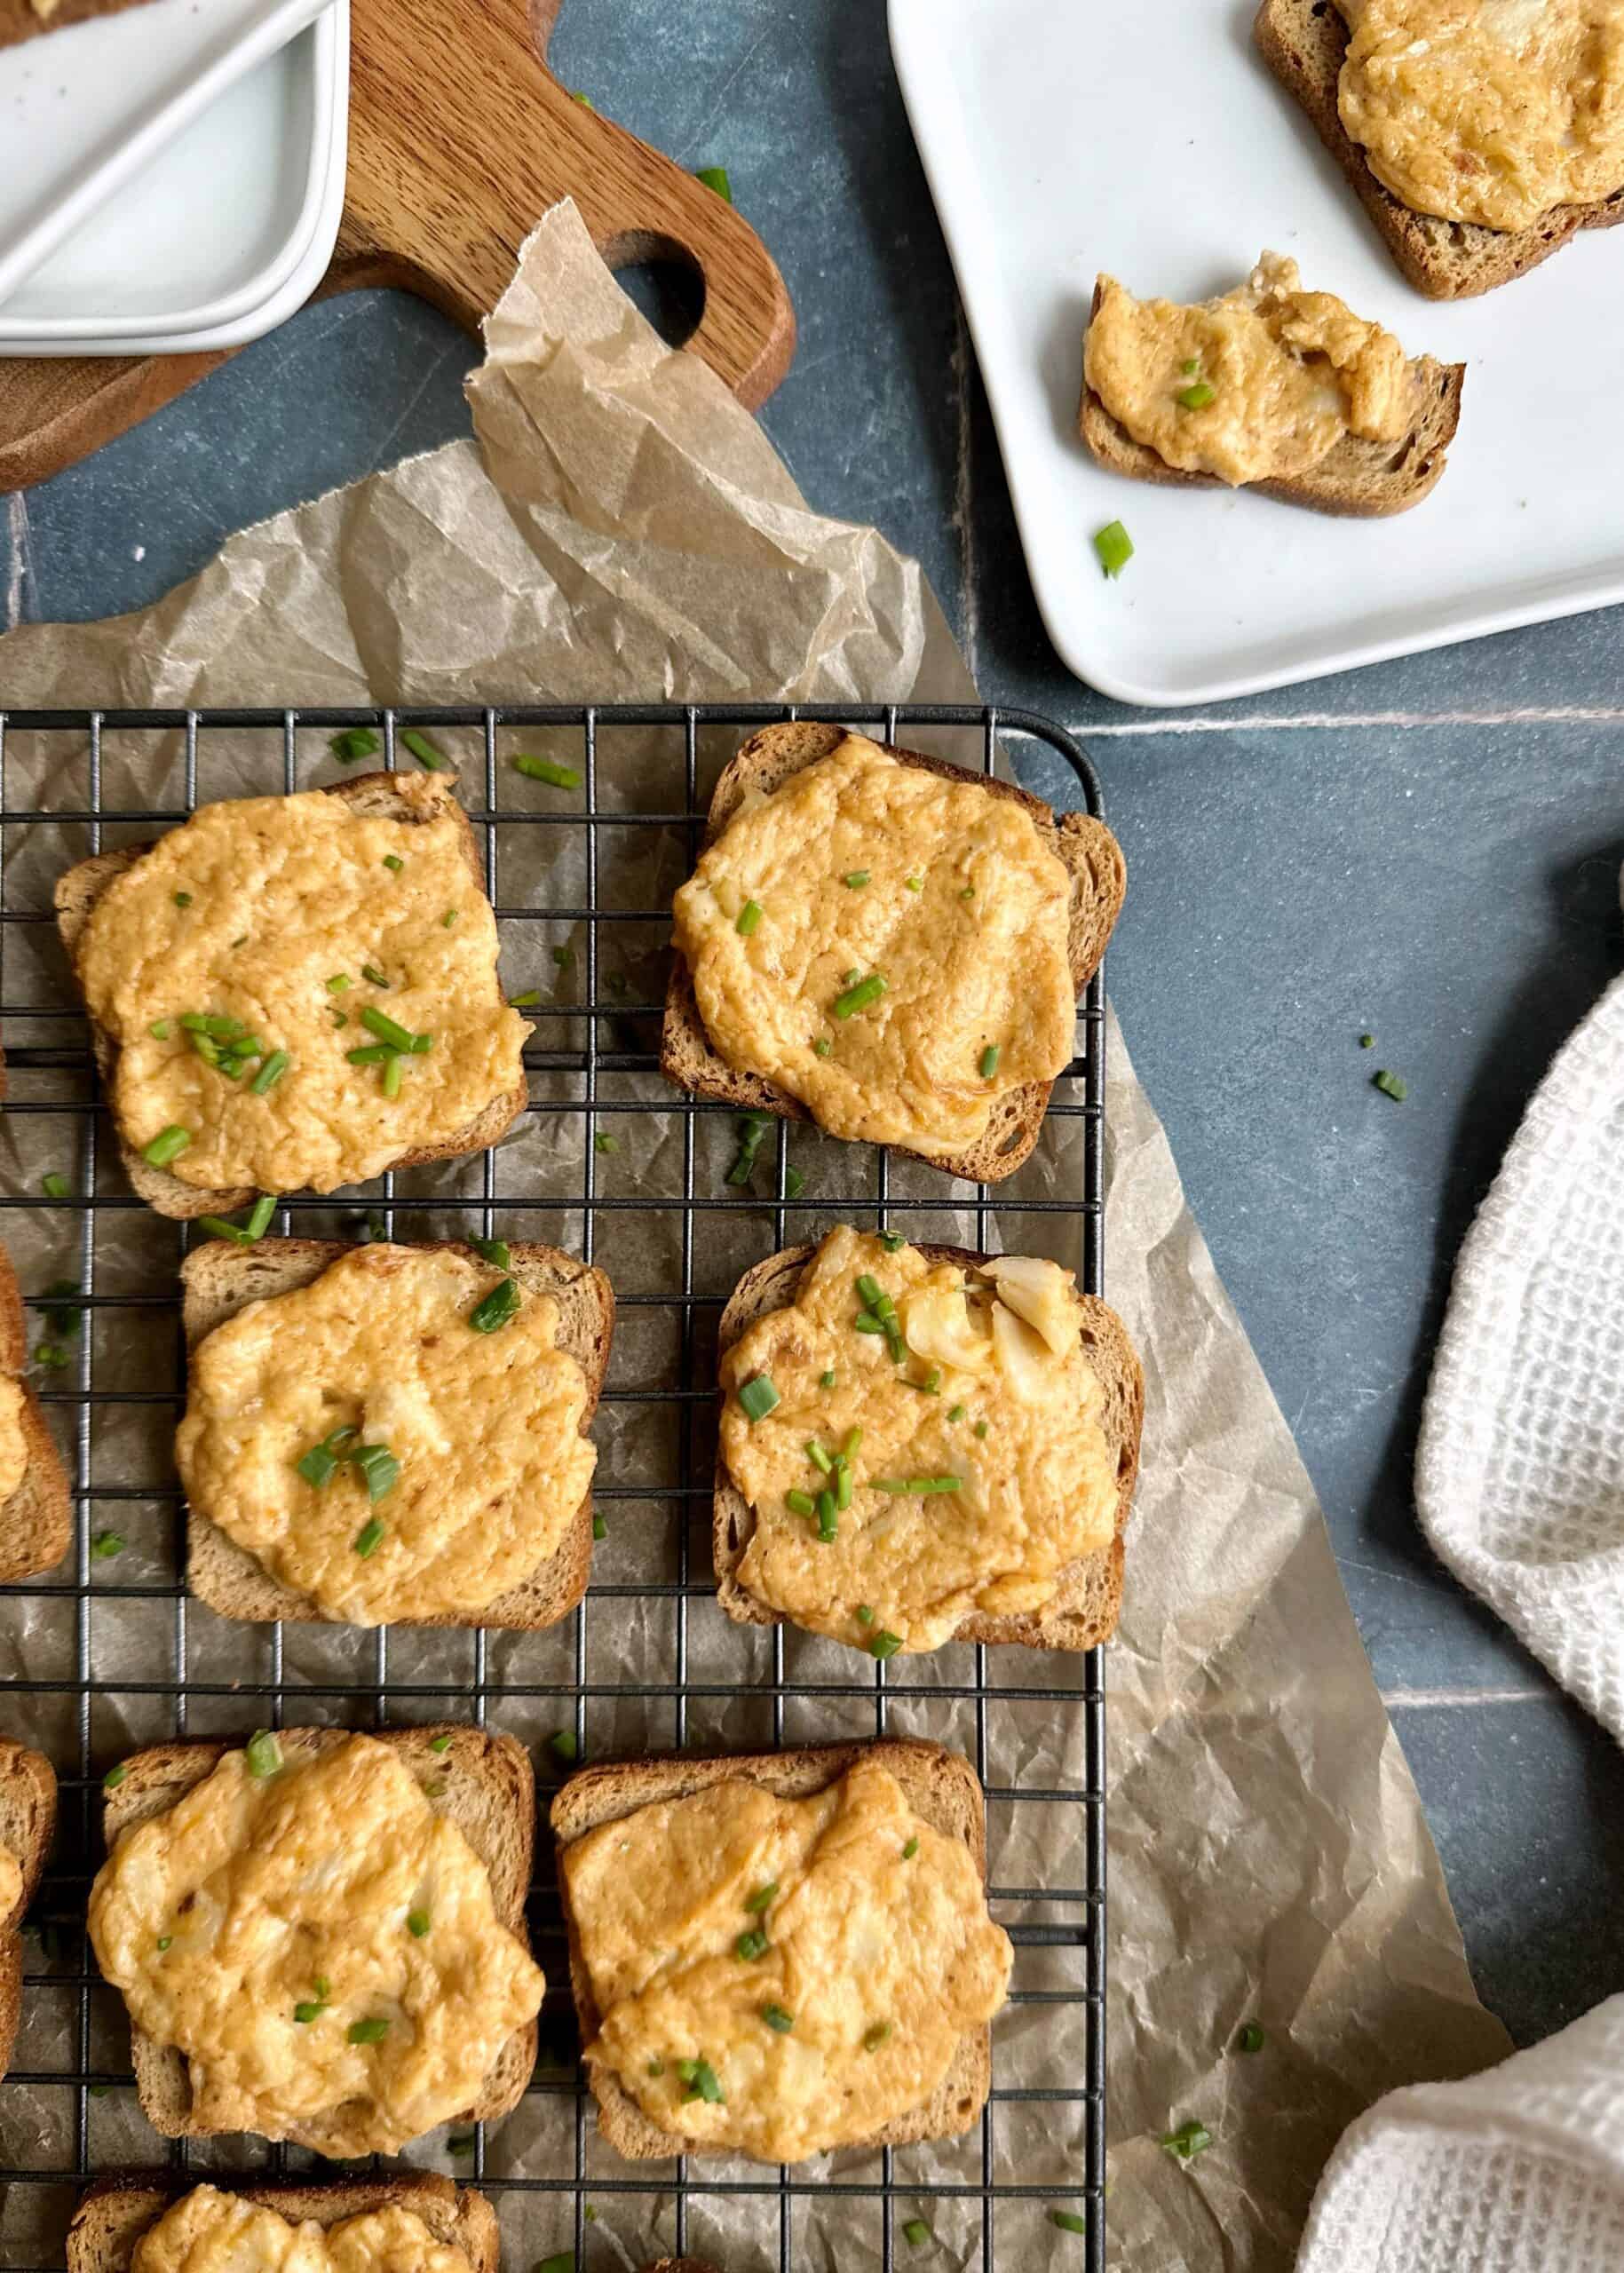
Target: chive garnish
column 800, row 1504
column 753, row 1129
column 758, row 1397
column 263, row 1753
column 543, row 769
column 243, row 1234
column 989, row 1061
column 892, row 1240
column 859, row 996
column 751, row 1944
column 368, row 2031
column 1191, row 2139
column 1191, row 366
column 919, row 1486
column 1197, row 397
column 160, row 1030
column 113, row 1778
column 955, row 1412
column 338, row 982
column 440, row 1744
column 715, row 178
column 183, row 900
column 867, row 1323
column 827, row 1528
column 369, row 1538
column 274, row 1067
column 822, row 1047
column 373, row 976
column 167, row 1146
column 980, row 1428
column 600, row 1530
column 565, row 958
column 527, row 1001
column 498, row 1307
column 819, row 1458
column 931, row 1384
column 748, row 919
column 55, row 1186
column 494, row 1252
column 825, row 1380
column 449, row 918
column 602, row 1142
column 1068, row 2221
column 1113, row 548
column 165, row 1941
column 418, row 1922
column 394, row 862
column 1392, row 1085
column 864, row 1615
column 355, row 742
column 763, row 1899
column 431, row 759
column 777, row 2019
column 842, row 1485
column 387, row 1029
column 318, row 1465
column 106, row 1544
column 564, row 1744
column 310, row 2009
column 371, row 1053
column 1251, row 2038
column 795, row 1183
column 701, row 2078
column 915, row 884
column 460, row 2143
column 856, row 880
column 879, row 2034
column 885, row 1644
column 910, row 1851
column 381, row 1470
column 916, row 2233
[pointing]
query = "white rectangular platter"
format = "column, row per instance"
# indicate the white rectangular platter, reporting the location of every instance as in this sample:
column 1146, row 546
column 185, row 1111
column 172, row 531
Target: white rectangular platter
column 1145, row 137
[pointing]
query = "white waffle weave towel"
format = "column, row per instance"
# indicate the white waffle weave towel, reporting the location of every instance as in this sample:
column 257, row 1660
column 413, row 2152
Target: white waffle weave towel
column 1519, row 1478
column 1520, row 2170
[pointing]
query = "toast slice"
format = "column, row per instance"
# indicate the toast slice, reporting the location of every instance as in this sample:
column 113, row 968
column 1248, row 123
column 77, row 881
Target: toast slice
column 113, row 2215
column 218, row 1279
column 1089, row 1597
column 415, row 798
column 28, row 1825
column 36, row 1522
column 488, row 1793
column 1304, row 43
column 942, row 1789
column 21, row 19
column 1092, row 857
column 1357, row 481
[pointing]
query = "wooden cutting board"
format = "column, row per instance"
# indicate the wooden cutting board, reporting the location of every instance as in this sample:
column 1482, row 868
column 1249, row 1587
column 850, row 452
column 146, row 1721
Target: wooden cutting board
column 460, row 138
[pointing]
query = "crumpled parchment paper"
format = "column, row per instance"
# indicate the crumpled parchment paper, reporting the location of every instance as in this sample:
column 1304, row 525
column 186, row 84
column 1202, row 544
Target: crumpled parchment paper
column 621, row 529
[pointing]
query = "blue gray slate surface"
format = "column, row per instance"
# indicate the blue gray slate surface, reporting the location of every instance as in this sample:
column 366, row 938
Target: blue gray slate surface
column 1428, row 851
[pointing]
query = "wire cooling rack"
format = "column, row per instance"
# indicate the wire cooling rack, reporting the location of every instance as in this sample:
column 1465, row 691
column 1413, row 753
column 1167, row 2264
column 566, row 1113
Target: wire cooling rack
column 107, row 1652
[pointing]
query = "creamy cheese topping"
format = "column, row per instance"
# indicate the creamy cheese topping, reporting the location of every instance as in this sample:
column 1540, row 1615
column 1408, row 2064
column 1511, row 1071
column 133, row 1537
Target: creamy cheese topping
column 1490, row 111
column 11, row 1882
column 858, row 866
column 268, row 913
column 209, row 2232
column 485, row 1428
column 1013, row 1426
column 14, row 1444
column 869, row 1953
column 1255, row 386
column 321, row 1946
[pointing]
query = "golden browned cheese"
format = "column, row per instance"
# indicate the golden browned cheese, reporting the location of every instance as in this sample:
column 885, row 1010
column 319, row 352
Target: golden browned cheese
column 964, row 914
column 304, row 1892
column 14, row 1444
column 486, row 1426
column 11, row 1882
column 1282, row 375
column 209, row 2232
column 1489, row 111
column 876, row 1960
column 1015, row 1419
column 246, row 913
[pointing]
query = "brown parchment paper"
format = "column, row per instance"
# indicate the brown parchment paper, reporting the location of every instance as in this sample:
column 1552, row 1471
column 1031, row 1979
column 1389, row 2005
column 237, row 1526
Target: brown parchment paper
column 621, row 528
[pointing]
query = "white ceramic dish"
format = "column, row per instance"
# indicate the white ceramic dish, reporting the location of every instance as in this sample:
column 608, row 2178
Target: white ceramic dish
column 1064, row 137
column 165, row 268
column 86, row 110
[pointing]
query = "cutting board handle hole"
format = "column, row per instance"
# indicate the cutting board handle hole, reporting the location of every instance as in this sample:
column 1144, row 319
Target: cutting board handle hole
column 664, row 280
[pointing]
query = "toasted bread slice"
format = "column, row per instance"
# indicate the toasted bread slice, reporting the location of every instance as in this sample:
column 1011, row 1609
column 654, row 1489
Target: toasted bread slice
column 21, row 19
column 489, row 1794
column 112, row 2215
column 218, row 1279
column 414, row 798
column 1092, row 857
column 27, row 1823
column 942, row 1789
column 1304, row 43
column 36, row 1522
column 665, row 2265
column 1358, row 479
column 1089, row 1594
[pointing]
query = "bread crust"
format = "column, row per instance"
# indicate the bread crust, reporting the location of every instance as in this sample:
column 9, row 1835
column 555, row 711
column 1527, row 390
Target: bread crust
column 413, row 798
column 489, row 1794
column 218, row 1279
column 1089, row 1602
column 943, row 1790
column 1092, row 857
column 1304, row 43
column 28, row 1825
column 36, row 1522
column 112, row 2215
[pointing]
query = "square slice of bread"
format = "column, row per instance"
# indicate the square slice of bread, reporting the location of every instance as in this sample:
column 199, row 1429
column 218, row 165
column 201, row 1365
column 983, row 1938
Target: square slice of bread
column 416, row 799
column 112, row 2215
column 942, row 1789
column 27, row 1823
column 21, row 19
column 489, row 1794
column 218, row 1279
column 1092, row 857
column 1089, row 1597
column 36, row 1522
column 1304, row 43
column 1357, row 481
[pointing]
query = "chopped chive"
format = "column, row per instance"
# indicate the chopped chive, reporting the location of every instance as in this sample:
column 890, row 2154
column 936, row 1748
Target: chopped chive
column 259, row 1216
column 183, row 900
column 1197, row 397
column 819, row 1458
column 748, row 919
column 777, row 2019
column 800, row 1504
column 161, row 1030
column 955, row 1412
column 969, row 892
column 859, row 996
column 368, row 2031
column 494, row 1252
column 892, row 1240
column 758, row 1397
column 827, row 1528
column 263, row 1753
column 440, row 1744
column 564, row 1744
column 431, row 759
column 527, row 1001
column 113, row 1778
column 715, row 178
column 795, row 1183
column 910, row 1851
column 338, row 982
column 915, row 884
column 55, row 1186
column 822, row 1047
column 310, row 2009
column 355, row 742
column 565, row 958
column 543, row 769
column 867, row 1323
column 460, row 2143
column 387, row 1029
column 931, row 1384
column 885, row 1644
column 417, row 1923
column 274, row 1067
column 449, row 918
column 167, row 1146
column 1113, row 548
column 1068, row 2221
column 916, row 2233
column 1392, row 1085
column 1367, row 1042
column 856, row 879
column 825, row 1380
column 600, row 1530
column 382, row 1471
column 51, row 1355
column 602, row 1142
column 106, row 1544
column 865, row 1615
column 762, row 1900
column 369, row 1538
column 654, row 2068
column 165, row 1941
column 373, row 976
column 1251, row 2038
column 371, row 1053
column 1191, row 2139
column 751, row 1944
column 701, row 2078
column 318, row 1467
column 980, row 1428
column 1192, row 367
column 394, row 862
column 989, row 1061
column 879, row 2034
column 498, row 1307
column 843, row 1486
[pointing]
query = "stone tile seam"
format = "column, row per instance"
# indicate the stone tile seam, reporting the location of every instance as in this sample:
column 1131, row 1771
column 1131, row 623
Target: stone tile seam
column 1313, row 721
column 1425, row 1700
